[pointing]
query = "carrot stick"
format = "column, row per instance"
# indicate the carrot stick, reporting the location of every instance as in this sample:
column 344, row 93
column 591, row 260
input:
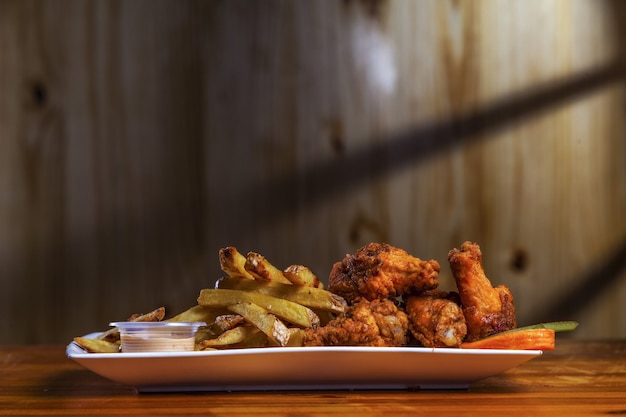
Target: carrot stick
column 528, row 339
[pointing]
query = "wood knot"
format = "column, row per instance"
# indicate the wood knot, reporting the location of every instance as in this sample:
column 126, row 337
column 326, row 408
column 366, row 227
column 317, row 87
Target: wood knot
column 519, row 260
column 39, row 94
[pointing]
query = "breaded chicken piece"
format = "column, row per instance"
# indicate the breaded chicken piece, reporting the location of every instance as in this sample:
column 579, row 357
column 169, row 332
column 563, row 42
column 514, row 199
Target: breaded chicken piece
column 367, row 323
column 380, row 271
column 487, row 310
column 435, row 320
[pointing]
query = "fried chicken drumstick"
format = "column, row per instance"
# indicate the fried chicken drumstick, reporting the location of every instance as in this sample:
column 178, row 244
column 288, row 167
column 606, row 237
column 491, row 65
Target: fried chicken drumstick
column 381, row 271
column 487, row 310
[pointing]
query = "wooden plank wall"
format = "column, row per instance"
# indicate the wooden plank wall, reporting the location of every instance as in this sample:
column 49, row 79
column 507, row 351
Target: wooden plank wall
column 139, row 137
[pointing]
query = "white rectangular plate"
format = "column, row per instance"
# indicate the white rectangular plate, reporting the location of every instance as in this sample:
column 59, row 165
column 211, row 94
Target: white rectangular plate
column 305, row 368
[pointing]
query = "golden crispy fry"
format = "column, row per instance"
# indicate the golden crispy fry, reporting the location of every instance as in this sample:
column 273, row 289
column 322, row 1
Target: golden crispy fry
column 230, row 337
column 314, row 298
column 303, row 276
column 262, row 270
column 256, row 340
column 209, row 332
column 296, row 337
column 154, row 315
column 325, row 316
column 232, row 262
column 113, row 335
column 228, row 321
column 287, row 310
column 277, row 333
column 199, row 313
column 209, row 316
column 97, row 346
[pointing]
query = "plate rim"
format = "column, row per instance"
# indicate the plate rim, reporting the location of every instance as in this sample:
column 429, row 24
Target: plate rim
column 164, row 367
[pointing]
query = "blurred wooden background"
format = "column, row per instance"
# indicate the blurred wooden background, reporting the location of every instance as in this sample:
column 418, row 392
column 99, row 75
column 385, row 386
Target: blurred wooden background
column 139, row 137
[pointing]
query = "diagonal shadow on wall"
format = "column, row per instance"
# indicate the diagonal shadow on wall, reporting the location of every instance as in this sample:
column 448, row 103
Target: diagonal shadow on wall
column 428, row 140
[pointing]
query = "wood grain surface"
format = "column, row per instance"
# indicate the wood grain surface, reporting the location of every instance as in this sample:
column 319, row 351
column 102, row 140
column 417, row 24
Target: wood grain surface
column 577, row 379
column 139, row 137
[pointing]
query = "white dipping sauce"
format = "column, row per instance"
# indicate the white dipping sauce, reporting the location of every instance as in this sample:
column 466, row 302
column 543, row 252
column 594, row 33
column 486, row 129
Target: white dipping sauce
column 157, row 344
column 158, row 336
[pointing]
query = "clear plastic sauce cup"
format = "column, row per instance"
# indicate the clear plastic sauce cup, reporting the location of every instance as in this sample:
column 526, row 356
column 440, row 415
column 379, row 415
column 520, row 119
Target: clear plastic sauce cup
column 161, row 336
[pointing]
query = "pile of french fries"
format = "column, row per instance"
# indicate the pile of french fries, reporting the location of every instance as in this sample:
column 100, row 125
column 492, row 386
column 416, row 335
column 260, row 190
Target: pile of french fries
column 254, row 305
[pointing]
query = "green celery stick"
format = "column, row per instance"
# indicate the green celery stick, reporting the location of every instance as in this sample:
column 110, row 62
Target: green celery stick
column 557, row 326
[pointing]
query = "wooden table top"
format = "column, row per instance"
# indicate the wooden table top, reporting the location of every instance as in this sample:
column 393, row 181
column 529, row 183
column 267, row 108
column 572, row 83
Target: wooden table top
column 576, row 379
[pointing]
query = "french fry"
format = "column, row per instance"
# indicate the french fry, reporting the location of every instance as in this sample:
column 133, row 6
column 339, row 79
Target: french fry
column 209, row 316
column 113, row 334
column 325, row 316
column 296, row 337
column 287, row 310
column 154, row 315
column 228, row 321
column 198, row 313
column 277, row 333
column 96, row 345
column 256, row 340
column 230, row 337
column 205, row 333
column 302, row 276
column 262, row 270
column 314, row 298
column 232, row 262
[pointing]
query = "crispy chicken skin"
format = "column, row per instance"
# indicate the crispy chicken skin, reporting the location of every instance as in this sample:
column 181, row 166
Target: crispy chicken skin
column 487, row 310
column 367, row 323
column 435, row 320
column 380, row 271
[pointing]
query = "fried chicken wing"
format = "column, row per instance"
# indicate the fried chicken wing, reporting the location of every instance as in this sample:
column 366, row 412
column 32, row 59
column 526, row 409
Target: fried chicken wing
column 487, row 310
column 380, row 271
column 435, row 320
column 367, row 323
